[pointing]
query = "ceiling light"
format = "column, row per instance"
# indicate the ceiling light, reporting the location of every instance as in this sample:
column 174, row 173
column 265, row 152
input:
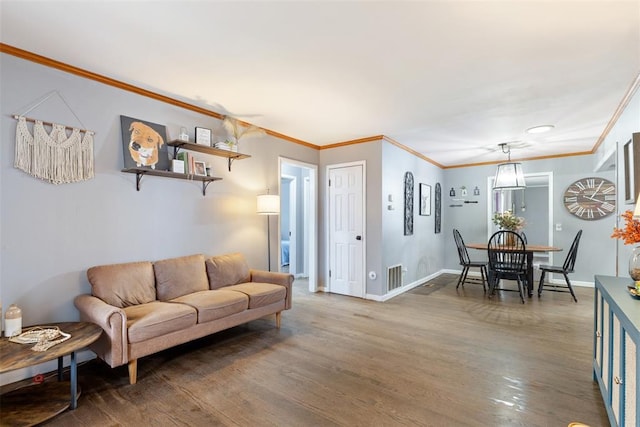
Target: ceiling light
column 540, row 129
column 509, row 175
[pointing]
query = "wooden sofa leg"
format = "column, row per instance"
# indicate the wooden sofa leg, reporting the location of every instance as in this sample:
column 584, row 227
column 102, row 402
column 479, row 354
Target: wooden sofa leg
column 278, row 319
column 133, row 371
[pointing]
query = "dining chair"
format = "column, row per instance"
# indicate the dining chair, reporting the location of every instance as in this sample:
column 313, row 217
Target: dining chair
column 565, row 269
column 466, row 262
column 507, row 260
column 524, row 237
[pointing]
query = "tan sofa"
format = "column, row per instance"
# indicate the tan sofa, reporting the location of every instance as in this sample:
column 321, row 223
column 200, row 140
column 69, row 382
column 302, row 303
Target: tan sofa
column 146, row 307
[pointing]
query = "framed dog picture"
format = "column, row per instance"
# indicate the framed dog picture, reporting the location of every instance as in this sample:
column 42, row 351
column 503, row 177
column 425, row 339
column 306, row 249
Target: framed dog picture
column 143, row 144
column 200, row 169
column 203, row 136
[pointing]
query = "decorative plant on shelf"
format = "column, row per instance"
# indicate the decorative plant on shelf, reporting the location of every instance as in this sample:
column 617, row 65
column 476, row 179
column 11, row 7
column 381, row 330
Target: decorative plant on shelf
column 508, row 221
column 238, row 130
column 630, row 235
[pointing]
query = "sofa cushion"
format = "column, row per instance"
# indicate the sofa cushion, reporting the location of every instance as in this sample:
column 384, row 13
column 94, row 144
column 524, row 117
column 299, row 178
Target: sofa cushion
column 260, row 294
column 155, row 319
column 225, row 270
column 180, row 276
column 212, row 305
column 122, row 285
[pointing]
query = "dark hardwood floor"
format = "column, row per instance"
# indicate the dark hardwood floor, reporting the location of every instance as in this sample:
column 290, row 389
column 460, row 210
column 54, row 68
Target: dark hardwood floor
column 431, row 357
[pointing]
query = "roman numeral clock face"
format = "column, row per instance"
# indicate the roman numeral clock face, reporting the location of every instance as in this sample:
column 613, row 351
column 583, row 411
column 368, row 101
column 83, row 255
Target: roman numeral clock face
column 591, row 198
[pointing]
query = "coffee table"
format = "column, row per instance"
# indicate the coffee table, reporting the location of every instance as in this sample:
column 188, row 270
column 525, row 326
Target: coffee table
column 38, row 403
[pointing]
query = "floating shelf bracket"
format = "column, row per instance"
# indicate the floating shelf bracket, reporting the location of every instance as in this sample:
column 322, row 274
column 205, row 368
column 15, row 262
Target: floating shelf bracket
column 138, row 179
column 205, row 184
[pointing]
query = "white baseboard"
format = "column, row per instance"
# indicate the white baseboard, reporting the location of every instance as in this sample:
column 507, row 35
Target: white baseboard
column 405, row 288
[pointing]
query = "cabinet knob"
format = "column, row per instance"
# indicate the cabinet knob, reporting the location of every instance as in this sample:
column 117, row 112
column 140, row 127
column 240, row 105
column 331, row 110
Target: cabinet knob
column 598, row 334
column 617, row 380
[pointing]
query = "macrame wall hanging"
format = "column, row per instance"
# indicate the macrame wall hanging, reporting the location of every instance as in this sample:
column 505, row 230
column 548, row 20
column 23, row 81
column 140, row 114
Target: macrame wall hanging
column 55, row 156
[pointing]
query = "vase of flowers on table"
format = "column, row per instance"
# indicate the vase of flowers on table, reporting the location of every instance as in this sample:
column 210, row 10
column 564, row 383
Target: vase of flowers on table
column 630, row 235
column 508, row 221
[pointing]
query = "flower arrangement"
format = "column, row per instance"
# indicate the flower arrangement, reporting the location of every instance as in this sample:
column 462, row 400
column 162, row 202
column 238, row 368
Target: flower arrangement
column 508, row 221
column 630, row 234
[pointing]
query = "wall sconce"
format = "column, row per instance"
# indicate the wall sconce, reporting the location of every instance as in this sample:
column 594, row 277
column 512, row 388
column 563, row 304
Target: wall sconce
column 476, row 191
column 452, row 192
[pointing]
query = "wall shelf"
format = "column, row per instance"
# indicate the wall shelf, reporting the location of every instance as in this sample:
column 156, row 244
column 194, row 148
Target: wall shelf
column 140, row 172
column 230, row 155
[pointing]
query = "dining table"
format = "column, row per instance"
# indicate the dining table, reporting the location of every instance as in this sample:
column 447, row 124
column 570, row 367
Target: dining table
column 529, row 251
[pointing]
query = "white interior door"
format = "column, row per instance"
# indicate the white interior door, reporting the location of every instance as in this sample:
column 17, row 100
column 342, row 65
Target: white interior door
column 346, row 230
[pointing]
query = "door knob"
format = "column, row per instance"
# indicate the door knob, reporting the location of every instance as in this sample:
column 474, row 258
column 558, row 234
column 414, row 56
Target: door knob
column 358, row 237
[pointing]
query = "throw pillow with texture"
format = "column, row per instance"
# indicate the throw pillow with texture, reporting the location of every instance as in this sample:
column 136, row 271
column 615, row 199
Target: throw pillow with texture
column 180, row 276
column 123, row 285
column 225, row 270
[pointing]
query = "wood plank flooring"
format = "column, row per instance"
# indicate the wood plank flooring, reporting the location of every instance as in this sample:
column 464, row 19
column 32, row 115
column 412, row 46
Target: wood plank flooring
column 448, row 358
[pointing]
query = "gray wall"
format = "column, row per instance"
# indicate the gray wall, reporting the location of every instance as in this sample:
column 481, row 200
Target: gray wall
column 52, row 233
column 535, row 214
column 420, row 254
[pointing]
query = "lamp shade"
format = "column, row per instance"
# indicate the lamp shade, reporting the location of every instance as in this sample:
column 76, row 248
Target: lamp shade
column 509, row 176
column 268, row 204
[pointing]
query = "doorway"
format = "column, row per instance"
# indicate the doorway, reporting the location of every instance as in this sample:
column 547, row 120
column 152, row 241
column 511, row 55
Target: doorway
column 534, row 204
column 298, row 220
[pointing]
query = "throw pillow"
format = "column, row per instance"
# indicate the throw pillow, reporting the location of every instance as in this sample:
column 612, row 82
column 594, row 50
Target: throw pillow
column 180, row 276
column 123, row 285
column 225, row 270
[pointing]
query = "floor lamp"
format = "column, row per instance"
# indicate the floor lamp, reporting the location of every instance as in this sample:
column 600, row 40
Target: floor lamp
column 268, row 204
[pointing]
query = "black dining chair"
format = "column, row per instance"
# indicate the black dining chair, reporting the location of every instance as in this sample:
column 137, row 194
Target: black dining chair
column 466, row 262
column 565, row 269
column 524, row 237
column 507, row 260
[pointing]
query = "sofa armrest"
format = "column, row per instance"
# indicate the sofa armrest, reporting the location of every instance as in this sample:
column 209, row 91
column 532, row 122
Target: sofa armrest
column 282, row 279
column 112, row 345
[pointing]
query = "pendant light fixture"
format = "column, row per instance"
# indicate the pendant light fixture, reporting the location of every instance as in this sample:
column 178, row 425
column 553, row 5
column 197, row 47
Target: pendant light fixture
column 509, row 175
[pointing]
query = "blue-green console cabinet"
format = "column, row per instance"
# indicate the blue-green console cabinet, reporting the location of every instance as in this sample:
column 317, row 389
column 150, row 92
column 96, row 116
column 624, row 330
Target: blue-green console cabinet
column 615, row 349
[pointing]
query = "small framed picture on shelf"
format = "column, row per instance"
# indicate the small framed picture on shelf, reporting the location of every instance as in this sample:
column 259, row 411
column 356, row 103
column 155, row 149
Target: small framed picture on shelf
column 203, row 136
column 200, row 169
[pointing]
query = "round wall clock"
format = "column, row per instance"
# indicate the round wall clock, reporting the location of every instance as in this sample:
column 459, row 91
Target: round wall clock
column 590, row 198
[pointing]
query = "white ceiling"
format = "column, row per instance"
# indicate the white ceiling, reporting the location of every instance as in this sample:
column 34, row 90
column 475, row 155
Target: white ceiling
column 449, row 79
